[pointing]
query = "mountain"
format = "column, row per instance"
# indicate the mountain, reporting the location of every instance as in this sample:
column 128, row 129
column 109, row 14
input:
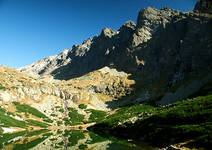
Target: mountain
column 149, row 81
column 204, row 6
column 167, row 53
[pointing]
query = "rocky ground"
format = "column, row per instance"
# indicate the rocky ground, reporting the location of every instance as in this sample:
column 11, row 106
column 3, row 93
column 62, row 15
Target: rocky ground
column 54, row 97
column 166, row 52
column 123, row 81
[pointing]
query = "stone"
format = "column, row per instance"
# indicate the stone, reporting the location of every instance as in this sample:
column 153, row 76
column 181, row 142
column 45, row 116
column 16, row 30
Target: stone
column 204, row 6
column 163, row 49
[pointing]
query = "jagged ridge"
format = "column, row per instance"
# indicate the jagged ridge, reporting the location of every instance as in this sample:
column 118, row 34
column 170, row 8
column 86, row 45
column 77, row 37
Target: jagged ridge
column 161, row 53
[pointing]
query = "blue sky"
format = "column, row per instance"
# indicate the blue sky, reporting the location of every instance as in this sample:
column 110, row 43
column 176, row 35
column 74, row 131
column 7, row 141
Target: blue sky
column 33, row 29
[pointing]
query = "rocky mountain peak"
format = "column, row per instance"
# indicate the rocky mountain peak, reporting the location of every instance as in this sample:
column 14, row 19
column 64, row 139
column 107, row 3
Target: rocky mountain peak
column 204, row 6
column 148, row 22
column 130, row 24
column 108, row 32
column 159, row 43
column 81, row 49
column 166, row 57
column 152, row 17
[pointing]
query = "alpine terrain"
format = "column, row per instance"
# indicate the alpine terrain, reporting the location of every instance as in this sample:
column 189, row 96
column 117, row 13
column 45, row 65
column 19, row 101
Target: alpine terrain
column 148, row 82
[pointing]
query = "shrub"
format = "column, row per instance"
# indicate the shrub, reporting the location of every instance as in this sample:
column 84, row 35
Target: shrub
column 8, row 121
column 2, row 87
column 1, row 130
column 74, row 117
column 31, row 110
column 96, row 115
column 82, row 106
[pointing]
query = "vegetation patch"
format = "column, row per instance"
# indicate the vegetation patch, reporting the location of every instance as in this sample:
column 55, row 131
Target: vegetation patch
column 37, row 123
column 183, row 121
column 74, row 136
column 94, row 138
column 125, row 113
column 7, row 137
column 74, row 117
column 31, row 110
column 96, row 115
column 82, row 106
column 29, row 144
column 61, row 110
column 8, row 121
column 83, row 147
column 1, row 131
column 37, row 132
column 2, row 87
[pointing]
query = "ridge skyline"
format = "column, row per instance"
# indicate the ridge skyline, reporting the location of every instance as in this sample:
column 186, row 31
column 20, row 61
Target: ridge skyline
column 40, row 44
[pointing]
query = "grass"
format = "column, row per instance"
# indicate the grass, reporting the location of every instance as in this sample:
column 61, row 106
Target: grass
column 95, row 138
column 7, row 137
column 61, row 110
column 8, row 121
column 2, row 87
column 37, row 123
column 83, row 147
column 96, row 115
column 37, row 132
column 118, row 143
column 82, row 106
column 1, row 131
column 74, row 136
column 186, row 120
column 74, row 117
column 28, row 109
column 29, row 144
column 125, row 113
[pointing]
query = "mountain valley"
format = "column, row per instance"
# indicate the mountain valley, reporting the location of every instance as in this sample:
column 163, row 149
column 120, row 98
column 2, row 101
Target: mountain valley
column 147, row 85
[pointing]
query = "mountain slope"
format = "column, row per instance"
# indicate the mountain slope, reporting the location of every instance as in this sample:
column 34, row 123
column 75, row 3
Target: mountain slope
column 57, row 98
column 116, row 82
column 110, row 48
column 167, row 53
column 186, row 124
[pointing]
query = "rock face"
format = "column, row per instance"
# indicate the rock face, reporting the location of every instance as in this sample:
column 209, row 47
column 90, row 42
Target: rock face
column 93, row 89
column 165, row 51
column 110, row 48
column 47, row 65
column 204, row 6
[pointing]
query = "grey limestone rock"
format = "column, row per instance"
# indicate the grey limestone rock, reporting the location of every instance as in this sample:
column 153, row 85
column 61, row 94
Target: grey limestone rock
column 161, row 51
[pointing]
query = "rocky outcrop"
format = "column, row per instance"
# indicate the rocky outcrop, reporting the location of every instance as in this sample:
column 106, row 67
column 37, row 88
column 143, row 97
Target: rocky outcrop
column 93, row 89
column 204, row 6
column 114, row 83
column 161, row 52
column 48, row 64
column 148, row 22
column 176, row 54
column 111, row 48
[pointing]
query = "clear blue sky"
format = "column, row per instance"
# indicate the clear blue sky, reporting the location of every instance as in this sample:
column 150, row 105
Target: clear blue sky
column 33, row 29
